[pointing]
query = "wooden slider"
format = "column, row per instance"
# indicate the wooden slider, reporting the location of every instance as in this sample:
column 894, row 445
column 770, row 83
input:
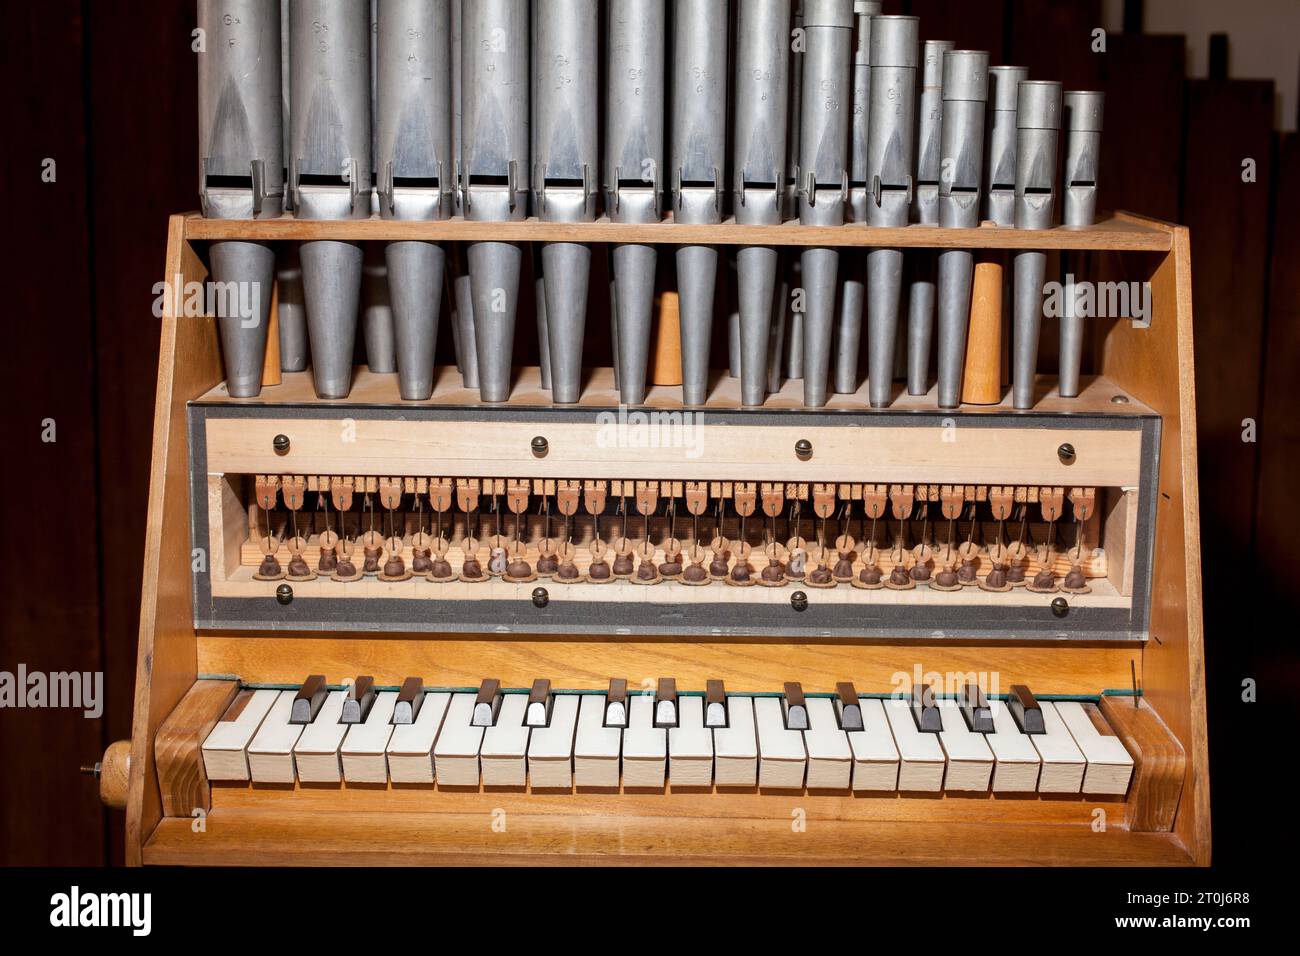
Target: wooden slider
column 1028, row 715
column 616, row 703
column 847, row 706
column 925, row 710
column 795, row 707
column 666, row 703
column 409, row 701
column 715, row 705
column 975, row 709
column 310, row 697
column 487, row 704
column 540, row 701
column 982, row 378
column 357, row 704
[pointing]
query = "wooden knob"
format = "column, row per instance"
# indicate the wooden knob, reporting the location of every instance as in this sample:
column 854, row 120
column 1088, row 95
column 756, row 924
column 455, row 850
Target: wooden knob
column 114, row 772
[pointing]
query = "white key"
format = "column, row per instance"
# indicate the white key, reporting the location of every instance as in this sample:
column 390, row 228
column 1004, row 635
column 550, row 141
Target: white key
column 970, row 762
column 781, row 754
column 1016, row 762
column 270, row 754
column 1109, row 764
column 830, row 759
column 645, row 747
column 550, row 749
column 596, row 747
column 875, row 755
column 225, row 751
column 1063, row 763
column 410, row 749
column 735, row 747
column 365, row 747
column 504, row 752
column 317, row 751
column 690, row 746
column 921, row 760
column 455, row 755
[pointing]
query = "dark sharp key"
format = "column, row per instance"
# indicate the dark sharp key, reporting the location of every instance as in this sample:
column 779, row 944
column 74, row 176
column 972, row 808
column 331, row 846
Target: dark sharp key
column 975, row 708
column 538, row 713
column 848, row 706
column 361, row 697
column 308, row 702
column 925, row 710
column 409, row 700
column 487, row 704
column 1028, row 715
column 715, row 705
column 796, row 711
column 616, row 703
column 666, row 703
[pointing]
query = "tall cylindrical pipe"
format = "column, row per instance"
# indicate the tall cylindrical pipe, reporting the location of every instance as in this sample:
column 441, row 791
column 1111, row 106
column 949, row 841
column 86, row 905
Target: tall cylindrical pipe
column 241, row 150
column 891, row 148
column 699, row 143
column 461, row 293
column 853, row 282
column 330, row 172
column 965, row 92
column 823, row 171
column 495, row 170
column 1083, row 122
column 566, row 70
column 634, row 159
column 1038, row 123
column 921, row 292
column 762, row 111
column 999, row 201
column 413, row 103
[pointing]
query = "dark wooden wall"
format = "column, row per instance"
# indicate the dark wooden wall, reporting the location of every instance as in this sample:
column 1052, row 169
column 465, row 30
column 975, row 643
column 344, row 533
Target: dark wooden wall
column 107, row 89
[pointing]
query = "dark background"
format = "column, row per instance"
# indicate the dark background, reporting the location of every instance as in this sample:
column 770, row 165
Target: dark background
column 108, row 90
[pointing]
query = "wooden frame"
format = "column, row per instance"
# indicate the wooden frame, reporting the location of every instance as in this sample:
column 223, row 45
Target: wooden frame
column 1153, row 364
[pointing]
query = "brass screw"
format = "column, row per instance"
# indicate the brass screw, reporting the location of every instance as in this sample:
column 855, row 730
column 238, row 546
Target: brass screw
column 803, row 449
column 541, row 447
column 541, row 597
column 281, row 444
column 284, row 594
column 799, row 601
column 1067, row 454
column 1060, row 607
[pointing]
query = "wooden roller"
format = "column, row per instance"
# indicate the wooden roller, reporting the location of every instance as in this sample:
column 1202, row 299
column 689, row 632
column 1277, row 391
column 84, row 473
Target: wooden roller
column 114, row 773
column 982, row 380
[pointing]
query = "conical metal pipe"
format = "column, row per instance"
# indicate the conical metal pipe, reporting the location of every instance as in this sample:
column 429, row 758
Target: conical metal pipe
column 1083, row 122
column 566, row 71
column 1038, row 122
column 853, row 285
column 330, row 172
column 241, row 150
column 495, row 169
column 291, row 312
column 634, row 157
column 925, row 211
column 699, row 142
column 377, row 313
column 760, row 141
column 823, row 168
column 891, row 147
column 965, row 93
column 414, row 109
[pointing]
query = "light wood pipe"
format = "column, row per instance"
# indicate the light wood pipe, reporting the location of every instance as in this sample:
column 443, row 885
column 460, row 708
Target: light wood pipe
column 113, row 771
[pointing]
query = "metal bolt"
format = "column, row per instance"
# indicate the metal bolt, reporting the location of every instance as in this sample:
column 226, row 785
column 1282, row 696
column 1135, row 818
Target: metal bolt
column 284, row 594
column 541, row 597
column 1060, row 607
column 799, row 601
column 803, row 449
column 281, row 444
column 1067, row 454
column 541, row 447
column 1119, row 399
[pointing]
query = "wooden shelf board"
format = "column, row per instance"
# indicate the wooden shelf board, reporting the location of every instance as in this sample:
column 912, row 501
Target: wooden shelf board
column 271, row 838
column 371, row 389
column 1119, row 233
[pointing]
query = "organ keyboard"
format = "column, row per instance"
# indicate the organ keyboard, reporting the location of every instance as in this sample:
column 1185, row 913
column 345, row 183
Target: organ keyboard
column 854, row 574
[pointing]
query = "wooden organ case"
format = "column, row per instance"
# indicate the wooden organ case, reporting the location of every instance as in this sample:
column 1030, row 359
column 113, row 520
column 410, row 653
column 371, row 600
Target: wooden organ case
column 486, row 626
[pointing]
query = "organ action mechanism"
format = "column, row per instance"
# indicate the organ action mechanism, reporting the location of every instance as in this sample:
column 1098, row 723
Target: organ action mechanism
column 667, row 465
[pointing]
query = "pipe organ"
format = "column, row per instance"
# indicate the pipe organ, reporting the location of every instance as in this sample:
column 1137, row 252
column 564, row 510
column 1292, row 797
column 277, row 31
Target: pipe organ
column 409, row 562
